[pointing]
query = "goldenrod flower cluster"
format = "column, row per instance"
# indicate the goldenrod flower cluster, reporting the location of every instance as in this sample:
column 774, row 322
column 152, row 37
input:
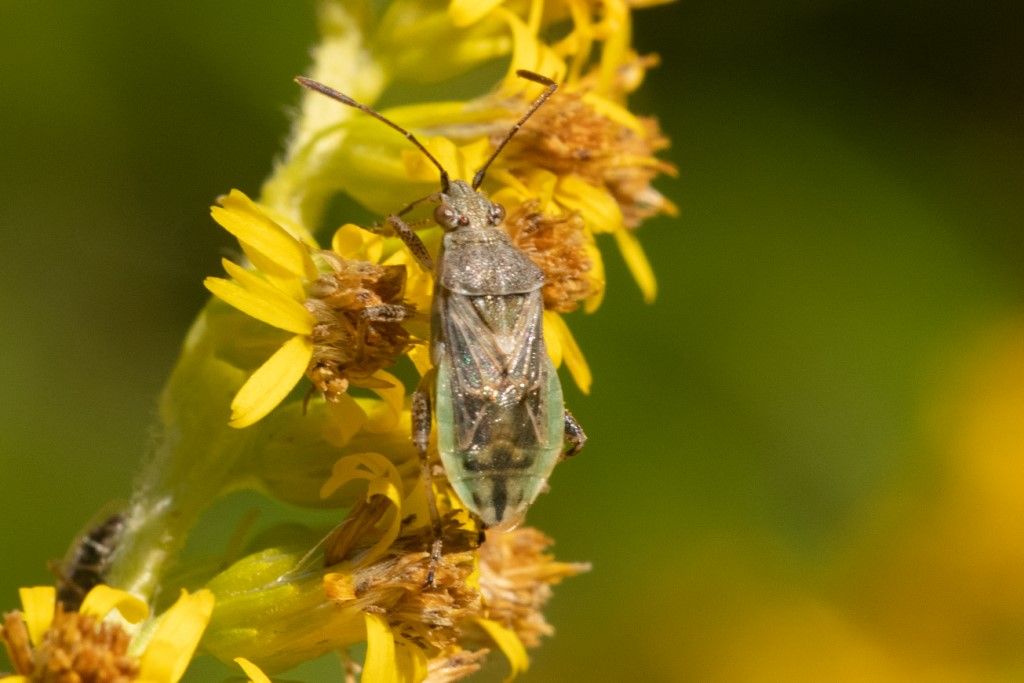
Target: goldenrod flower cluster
column 294, row 380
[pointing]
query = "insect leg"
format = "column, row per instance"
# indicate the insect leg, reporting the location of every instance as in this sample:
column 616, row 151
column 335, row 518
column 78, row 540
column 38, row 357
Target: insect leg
column 388, row 313
column 411, row 240
column 575, row 437
column 421, row 439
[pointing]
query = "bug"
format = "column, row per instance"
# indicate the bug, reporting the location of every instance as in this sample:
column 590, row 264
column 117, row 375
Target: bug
column 501, row 421
column 87, row 561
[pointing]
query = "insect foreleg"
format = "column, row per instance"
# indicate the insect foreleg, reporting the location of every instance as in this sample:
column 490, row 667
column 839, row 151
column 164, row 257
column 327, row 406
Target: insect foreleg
column 433, row 197
column 421, row 439
column 411, row 240
column 575, row 437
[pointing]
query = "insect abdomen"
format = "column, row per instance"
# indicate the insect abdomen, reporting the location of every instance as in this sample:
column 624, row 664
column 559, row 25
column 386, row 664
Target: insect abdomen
column 501, row 469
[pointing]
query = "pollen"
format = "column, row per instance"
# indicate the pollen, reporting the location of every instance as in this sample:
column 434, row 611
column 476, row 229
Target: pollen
column 76, row 647
column 516, row 576
column 557, row 245
column 358, row 309
column 569, row 135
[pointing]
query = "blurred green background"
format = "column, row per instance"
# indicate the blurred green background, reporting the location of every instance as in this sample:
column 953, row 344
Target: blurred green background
column 806, row 459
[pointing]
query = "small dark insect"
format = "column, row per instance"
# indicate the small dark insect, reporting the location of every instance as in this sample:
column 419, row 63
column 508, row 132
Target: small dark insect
column 494, row 394
column 87, row 561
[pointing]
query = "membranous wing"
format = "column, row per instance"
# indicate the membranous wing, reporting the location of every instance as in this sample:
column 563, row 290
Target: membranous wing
column 499, row 370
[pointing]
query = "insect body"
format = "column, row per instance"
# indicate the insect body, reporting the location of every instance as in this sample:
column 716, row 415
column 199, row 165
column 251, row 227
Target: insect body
column 88, row 561
column 498, row 402
column 497, row 398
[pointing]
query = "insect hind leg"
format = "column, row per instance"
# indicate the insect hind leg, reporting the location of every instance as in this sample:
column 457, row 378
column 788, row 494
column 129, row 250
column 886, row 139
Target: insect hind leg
column 575, row 437
column 421, row 439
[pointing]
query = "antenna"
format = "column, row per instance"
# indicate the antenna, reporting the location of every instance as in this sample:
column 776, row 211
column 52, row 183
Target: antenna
column 345, row 99
column 478, row 178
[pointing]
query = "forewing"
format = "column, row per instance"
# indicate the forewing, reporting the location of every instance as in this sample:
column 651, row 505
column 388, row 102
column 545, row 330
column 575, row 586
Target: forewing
column 499, row 368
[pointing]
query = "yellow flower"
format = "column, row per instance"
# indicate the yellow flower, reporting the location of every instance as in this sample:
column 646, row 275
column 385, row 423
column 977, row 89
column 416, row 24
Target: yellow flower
column 275, row 296
column 372, row 587
column 47, row 643
column 601, row 154
column 342, row 313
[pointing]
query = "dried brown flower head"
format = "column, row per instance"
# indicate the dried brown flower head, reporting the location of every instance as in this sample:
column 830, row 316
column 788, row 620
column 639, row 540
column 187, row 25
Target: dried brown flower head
column 516, row 576
column 396, row 586
column 507, row 583
column 571, row 136
column 446, row 668
column 358, row 307
column 557, row 244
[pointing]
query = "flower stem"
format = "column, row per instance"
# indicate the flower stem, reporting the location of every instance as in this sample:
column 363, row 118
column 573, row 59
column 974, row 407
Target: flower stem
column 194, row 462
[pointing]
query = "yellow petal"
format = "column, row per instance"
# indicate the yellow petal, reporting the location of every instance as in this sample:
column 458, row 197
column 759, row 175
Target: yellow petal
column 14, row 679
column 418, row 167
column 420, row 357
column 509, row 642
column 37, row 605
column 352, row 242
column 380, row 665
column 466, row 12
column 571, row 353
column 512, row 185
column 615, row 112
column 346, row 419
column 615, row 50
column 261, row 300
column 419, row 283
column 170, row 649
column 252, row 671
column 383, row 479
column 460, row 161
column 473, row 580
column 102, row 600
column 580, row 42
column 384, row 415
column 529, row 53
column 240, row 216
column 553, row 338
column 284, row 280
column 473, row 155
column 636, row 261
column 287, row 309
column 271, row 382
column 595, row 276
column 413, row 665
column 597, row 207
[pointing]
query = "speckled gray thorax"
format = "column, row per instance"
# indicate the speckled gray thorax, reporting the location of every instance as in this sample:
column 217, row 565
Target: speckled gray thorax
column 479, row 261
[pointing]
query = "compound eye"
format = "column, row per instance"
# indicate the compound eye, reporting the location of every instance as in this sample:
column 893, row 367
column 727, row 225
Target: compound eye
column 446, row 217
column 497, row 214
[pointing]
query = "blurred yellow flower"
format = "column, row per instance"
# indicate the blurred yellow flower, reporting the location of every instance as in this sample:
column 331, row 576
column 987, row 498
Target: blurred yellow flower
column 47, row 643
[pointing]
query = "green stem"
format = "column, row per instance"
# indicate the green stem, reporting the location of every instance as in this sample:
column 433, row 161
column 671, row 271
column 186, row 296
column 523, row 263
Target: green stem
column 198, row 457
column 195, row 462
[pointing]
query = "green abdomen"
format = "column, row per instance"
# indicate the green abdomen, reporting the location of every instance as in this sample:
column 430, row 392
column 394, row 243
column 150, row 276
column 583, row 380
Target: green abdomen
column 498, row 448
